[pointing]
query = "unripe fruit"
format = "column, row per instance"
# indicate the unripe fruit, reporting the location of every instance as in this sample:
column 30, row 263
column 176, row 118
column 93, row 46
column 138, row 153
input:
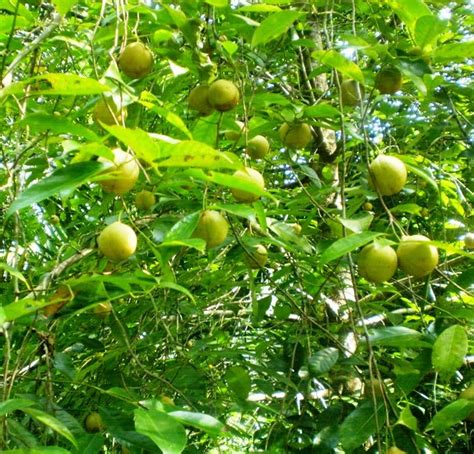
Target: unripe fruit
column 258, row 147
column 469, row 241
column 297, row 228
column 388, row 80
column 144, row 200
column 103, row 310
column 94, row 422
column 107, row 112
column 388, row 173
column 377, row 263
column 54, row 219
column 236, row 135
column 198, row 100
column 252, row 176
column 395, row 450
column 351, row 92
column 117, row 241
column 223, row 95
column 212, row 228
column 256, row 257
column 416, row 257
column 367, row 206
column 136, row 60
column 124, row 172
column 295, row 136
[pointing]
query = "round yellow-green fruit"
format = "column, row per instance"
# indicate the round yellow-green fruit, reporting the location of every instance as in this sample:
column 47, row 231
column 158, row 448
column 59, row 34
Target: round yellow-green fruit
column 94, row 422
column 107, row 112
column 258, row 147
column 117, row 241
column 351, row 92
column 232, row 134
column 144, row 200
column 297, row 228
column 54, row 219
column 373, row 387
column 388, row 80
column 377, row 263
column 136, row 60
column 103, row 310
column 212, row 228
column 123, row 170
column 395, row 450
column 388, row 174
column 367, row 206
column 469, row 241
column 295, row 136
column 198, row 100
column 252, row 176
column 223, row 95
column 416, row 257
column 256, row 257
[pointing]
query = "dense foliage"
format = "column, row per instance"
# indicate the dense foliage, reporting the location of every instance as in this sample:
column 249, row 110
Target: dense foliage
column 239, row 320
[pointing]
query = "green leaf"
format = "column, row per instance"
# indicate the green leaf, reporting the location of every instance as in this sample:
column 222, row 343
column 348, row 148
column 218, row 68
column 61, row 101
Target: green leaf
column 361, row 424
column 52, row 423
column 274, row 26
column 449, row 350
column 14, row 404
column 40, row 122
column 64, row 364
column 347, row 244
column 184, row 228
column 340, row 63
column 138, row 140
column 238, row 381
column 15, row 273
column 427, row 30
column 259, row 9
column 451, row 414
column 190, row 153
column 56, row 84
column 407, row 419
column 409, row 11
column 39, row 450
column 64, row 6
column 455, row 52
column 67, row 178
column 421, row 173
column 226, row 180
column 358, row 224
column 20, row 308
column 411, row 208
column 168, row 434
column 323, row 361
column 218, row 3
column 398, row 336
column 321, row 110
column 201, row 421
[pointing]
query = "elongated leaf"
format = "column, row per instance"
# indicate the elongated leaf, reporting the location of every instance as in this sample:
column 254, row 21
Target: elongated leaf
column 323, row 361
column 321, row 110
column 361, row 424
column 52, row 422
column 14, row 404
column 218, row 3
column 201, row 421
column 57, row 84
column 190, row 153
column 407, row 419
column 340, row 63
column 427, row 30
column 455, row 52
column 138, row 140
column 39, row 450
column 168, row 434
column 346, row 245
column 409, row 11
column 67, row 178
column 40, row 122
column 449, row 350
column 451, row 414
column 20, row 308
column 397, row 336
column 14, row 272
column 274, row 26
column 184, row 228
column 64, row 6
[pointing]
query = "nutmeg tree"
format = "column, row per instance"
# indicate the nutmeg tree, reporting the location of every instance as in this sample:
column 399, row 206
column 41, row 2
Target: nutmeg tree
column 234, row 226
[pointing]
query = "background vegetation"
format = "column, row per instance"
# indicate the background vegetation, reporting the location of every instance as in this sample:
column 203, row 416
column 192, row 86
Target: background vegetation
column 201, row 353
